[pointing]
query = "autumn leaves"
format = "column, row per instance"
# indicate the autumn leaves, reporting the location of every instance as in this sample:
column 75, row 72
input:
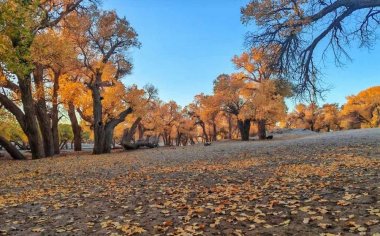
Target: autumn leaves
column 68, row 55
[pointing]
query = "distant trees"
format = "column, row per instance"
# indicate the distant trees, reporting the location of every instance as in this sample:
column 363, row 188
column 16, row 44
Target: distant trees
column 363, row 109
column 296, row 28
column 360, row 111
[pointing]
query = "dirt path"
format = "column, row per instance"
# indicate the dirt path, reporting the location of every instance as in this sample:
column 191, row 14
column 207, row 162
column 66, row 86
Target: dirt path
column 328, row 183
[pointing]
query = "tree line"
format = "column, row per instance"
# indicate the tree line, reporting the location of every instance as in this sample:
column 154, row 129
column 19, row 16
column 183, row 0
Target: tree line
column 63, row 61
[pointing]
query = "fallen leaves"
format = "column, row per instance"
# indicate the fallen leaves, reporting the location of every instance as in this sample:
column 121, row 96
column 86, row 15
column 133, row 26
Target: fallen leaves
column 37, row 230
column 242, row 194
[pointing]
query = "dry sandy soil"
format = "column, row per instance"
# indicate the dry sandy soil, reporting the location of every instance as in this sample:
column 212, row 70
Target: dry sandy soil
column 322, row 184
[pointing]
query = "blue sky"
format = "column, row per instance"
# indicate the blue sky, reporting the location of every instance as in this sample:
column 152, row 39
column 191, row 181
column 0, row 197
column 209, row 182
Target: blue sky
column 187, row 44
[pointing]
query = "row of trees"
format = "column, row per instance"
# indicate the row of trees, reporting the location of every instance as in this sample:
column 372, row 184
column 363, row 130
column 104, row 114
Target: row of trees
column 209, row 119
column 360, row 111
column 60, row 59
column 63, row 55
column 63, row 61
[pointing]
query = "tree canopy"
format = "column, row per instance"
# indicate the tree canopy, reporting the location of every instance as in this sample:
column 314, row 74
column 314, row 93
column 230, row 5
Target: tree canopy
column 302, row 30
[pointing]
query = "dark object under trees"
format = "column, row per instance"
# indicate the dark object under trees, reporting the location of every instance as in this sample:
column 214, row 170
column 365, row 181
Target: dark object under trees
column 149, row 143
column 11, row 149
column 297, row 27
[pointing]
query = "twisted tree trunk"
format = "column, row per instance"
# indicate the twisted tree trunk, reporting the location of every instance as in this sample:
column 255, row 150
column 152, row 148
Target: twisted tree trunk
column 30, row 126
column 42, row 112
column 110, row 127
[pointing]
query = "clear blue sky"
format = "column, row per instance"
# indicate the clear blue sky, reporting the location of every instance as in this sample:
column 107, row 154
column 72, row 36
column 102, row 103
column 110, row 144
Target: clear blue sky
column 187, row 44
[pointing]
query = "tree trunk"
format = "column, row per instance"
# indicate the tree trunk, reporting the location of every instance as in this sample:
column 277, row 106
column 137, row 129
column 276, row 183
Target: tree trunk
column 244, row 127
column 128, row 133
column 30, row 121
column 42, row 112
column 192, row 140
column 261, row 129
column 12, row 150
column 229, row 126
column 54, row 113
column 214, row 131
column 77, row 130
column 99, row 133
column 108, row 137
column 202, row 124
column 141, row 131
column 110, row 127
column 178, row 139
column 166, row 139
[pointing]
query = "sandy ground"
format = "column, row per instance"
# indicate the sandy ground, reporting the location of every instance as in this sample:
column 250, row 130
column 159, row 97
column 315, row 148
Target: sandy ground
column 318, row 184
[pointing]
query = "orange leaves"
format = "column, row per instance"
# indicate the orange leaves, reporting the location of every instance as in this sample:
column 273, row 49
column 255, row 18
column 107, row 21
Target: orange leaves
column 202, row 191
column 129, row 229
column 364, row 105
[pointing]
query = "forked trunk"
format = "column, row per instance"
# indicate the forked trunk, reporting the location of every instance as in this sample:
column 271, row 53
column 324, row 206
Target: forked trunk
column 110, row 127
column 31, row 126
column 129, row 133
column 42, row 112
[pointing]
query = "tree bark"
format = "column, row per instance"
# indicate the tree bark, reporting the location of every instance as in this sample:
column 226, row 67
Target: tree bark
column 202, row 124
column 261, row 127
column 30, row 121
column 166, row 138
column 229, row 126
column 178, row 139
column 244, row 127
column 54, row 113
column 214, row 131
column 99, row 133
column 12, row 150
column 141, row 131
column 42, row 113
column 129, row 133
column 110, row 127
column 77, row 130
column 108, row 137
